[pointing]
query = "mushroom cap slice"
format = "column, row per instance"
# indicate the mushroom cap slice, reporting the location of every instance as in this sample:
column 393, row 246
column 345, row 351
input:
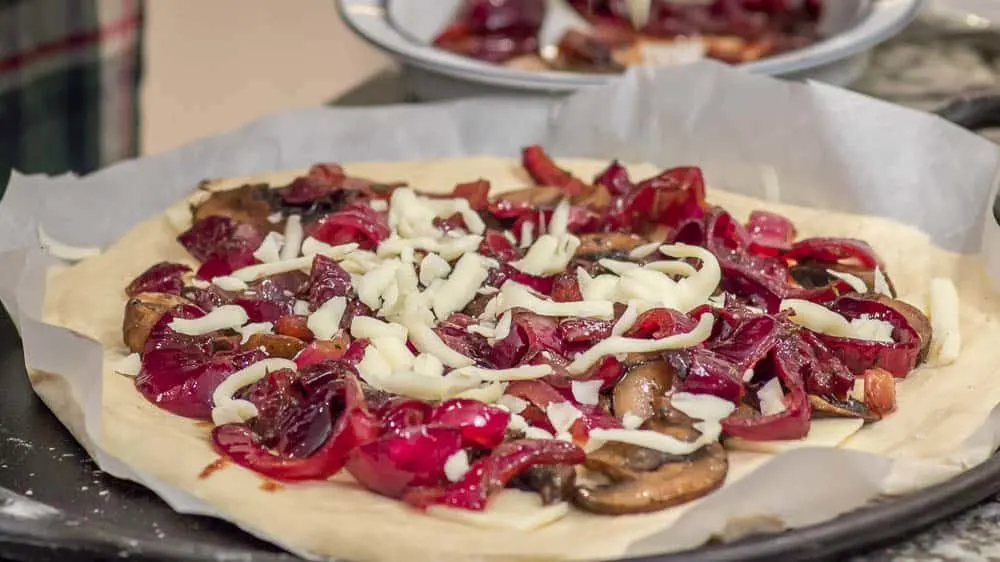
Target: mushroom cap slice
column 671, row 484
column 552, row 482
column 832, row 408
column 142, row 312
column 641, row 387
column 607, row 244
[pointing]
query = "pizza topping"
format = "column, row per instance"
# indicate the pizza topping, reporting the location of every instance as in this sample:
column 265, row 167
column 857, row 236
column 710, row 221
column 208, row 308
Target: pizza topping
column 222, row 318
column 635, row 321
column 947, row 342
column 65, row 251
column 164, row 277
column 129, row 365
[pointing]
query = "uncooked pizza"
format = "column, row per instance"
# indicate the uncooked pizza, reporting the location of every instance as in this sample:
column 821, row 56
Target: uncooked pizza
column 598, row 345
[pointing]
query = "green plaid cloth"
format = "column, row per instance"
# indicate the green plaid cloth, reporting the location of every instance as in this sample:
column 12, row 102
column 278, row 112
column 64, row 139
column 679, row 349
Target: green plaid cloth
column 69, row 84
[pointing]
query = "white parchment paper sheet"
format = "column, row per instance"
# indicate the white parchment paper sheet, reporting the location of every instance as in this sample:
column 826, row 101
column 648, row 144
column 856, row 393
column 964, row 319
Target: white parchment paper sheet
column 839, row 150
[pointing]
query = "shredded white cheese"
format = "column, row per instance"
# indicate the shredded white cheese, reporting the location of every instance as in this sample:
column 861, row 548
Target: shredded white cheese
column 820, row 319
column 461, row 286
column 524, row 372
column 65, row 251
column 514, row 295
column 513, row 404
column 502, row 329
column 129, row 365
column 615, row 345
column 549, row 254
column 771, row 397
column 644, row 251
column 562, row 416
column 854, row 281
column 255, row 328
column 230, row 283
column 293, row 238
column 433, row 267
column 946, row 342
column 324, row 323
column 269, row 250
column 881, row 283
column 228, row 316
column 586, row 392
column 222, row 398
column 456, row 466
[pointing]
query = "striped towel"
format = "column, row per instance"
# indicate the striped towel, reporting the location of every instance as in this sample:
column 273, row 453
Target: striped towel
column 69, row 84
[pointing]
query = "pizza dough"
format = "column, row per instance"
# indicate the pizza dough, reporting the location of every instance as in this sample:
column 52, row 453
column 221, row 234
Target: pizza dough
column 939, row 408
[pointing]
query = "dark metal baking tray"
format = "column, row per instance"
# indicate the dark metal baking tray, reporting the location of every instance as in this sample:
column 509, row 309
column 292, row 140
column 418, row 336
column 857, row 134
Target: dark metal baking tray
column 55, row 504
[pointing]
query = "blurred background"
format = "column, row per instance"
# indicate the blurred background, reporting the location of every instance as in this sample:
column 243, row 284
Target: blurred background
column 85, row 83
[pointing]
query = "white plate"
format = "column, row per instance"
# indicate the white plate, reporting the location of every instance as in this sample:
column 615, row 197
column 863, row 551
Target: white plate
column 403, row 28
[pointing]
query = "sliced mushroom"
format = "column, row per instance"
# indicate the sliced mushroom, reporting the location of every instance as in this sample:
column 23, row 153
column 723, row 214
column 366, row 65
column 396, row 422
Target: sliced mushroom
column 538, row 196
column 553, row 483
column 833, row 408
column 603, row 245
column 276, row 345
column 633, row 490
column 142, row 312
column 637, row 392
column 248, row 203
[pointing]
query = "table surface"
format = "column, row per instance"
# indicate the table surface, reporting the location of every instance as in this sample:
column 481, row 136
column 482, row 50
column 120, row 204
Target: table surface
column 929, row 64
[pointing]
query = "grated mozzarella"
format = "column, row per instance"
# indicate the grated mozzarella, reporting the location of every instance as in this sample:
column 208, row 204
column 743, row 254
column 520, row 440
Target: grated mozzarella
column 130, row 365
column 366, row 327
column 433, row 267
column 502, row 329
column 644, row 251
column 460, row 288
column 771, row 397
column 222, row 397
column 559, row 224
column 549, row 255
column 562, row 416
column 456, row 465
column 324, row 323
column 225, row 317
column 230, row 283
column 946, row 342
column 587, row 392
column 514, row 295
column 820, row 319
column 293, row 237
column 854, row 281
column 301, row 308
column 513, row 404
column 615, row 345
column 269, row 250
column 255, row 328
column 522, row 373
column 881, row 283
column 702, row 406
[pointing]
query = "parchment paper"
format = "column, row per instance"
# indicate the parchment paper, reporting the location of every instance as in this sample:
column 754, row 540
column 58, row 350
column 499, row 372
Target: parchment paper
column 824, row 147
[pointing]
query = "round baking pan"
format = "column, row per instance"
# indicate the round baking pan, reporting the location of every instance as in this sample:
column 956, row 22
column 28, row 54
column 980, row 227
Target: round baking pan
column 55, row 504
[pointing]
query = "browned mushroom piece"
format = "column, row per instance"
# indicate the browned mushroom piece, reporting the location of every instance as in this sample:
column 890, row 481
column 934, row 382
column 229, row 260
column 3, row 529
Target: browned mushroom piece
column 833, row 408
column 552, row 483
column 602, row 245
column 538, row 196
column 142, row 312
column 248, row 203
column 276, row 345
column 643, row 383
column 635, row 487
column 594, row 196
column 917, row 319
